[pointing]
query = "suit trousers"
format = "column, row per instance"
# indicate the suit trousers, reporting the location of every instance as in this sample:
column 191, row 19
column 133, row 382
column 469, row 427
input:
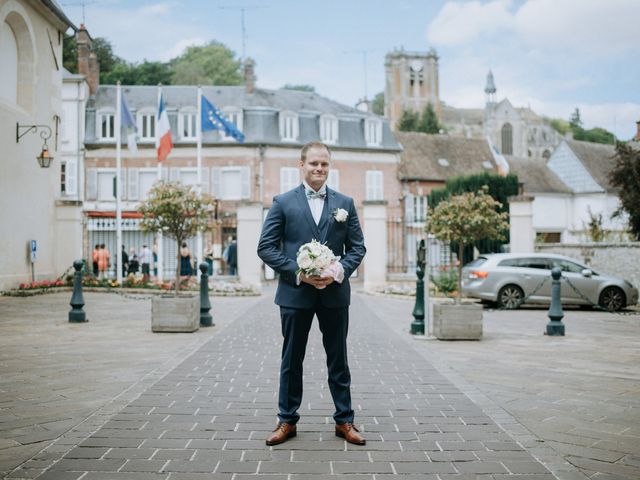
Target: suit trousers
column 334, row 325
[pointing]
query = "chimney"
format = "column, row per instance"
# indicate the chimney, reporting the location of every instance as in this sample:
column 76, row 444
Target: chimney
column 249, row 76
column 638, row 131
column 88, row 64
column 93, row 79
column 83, row 42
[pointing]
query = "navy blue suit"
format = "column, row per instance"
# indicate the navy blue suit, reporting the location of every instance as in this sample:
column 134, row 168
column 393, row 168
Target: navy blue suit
column 288, row 226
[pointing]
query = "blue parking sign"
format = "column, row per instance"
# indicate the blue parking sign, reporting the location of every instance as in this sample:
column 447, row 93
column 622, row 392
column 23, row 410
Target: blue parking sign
column 34, row 249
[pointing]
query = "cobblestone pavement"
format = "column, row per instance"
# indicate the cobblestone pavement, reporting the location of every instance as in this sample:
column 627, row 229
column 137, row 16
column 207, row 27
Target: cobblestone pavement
column 207, row 418
column 578, row 394
column 55, row 375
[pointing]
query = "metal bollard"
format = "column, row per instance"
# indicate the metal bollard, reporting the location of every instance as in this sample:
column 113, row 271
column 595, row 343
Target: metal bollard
column 417, row 326
column 555, row 327
column 77, row 315
column 205, row 305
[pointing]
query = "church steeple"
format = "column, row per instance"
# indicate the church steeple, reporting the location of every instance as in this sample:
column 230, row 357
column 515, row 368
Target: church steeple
column 490, row 88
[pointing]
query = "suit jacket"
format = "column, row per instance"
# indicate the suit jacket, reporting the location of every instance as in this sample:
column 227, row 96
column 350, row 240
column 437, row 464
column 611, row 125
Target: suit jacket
column 289, row 225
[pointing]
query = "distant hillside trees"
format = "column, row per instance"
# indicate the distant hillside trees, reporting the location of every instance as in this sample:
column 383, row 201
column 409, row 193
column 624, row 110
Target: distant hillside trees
column 211, row 64
column 574, row 125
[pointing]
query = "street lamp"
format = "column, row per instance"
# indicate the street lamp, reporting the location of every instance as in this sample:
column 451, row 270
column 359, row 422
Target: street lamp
column 45, row 158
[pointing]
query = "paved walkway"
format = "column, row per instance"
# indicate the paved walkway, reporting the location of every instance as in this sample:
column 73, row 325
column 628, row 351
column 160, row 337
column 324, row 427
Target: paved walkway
column 111, row 400
column 208, row 417
column 578, row 395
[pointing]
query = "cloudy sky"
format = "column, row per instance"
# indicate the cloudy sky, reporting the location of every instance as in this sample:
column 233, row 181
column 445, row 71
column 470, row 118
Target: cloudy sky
column 551, row 55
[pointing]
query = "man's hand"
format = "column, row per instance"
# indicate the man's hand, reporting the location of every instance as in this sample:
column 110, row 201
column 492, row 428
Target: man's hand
column 316, row 281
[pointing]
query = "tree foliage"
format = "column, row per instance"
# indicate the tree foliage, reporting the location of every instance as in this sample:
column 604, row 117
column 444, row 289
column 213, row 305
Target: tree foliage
column 595, row 135
column 425, row 122
column 177, row 211
column 466, row 217
column 559, row 125
column 625, row 176
column 500, row 188
column 211, row 64
column 377, row 105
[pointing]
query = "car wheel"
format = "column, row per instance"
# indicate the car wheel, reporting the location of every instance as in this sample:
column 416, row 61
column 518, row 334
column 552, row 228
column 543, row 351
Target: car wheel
column 510, row 297
column 613, row 299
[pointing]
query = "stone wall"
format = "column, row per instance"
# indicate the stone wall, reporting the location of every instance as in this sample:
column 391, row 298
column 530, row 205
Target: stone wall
column 619, row 259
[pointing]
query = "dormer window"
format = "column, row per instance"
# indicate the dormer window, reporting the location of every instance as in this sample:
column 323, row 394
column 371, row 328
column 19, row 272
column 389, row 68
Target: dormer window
column 187, row 124
column 373, row 132
column 105, row 125
column 328, row 129
column 234, row 115
column 147, row 125
column 288, row 126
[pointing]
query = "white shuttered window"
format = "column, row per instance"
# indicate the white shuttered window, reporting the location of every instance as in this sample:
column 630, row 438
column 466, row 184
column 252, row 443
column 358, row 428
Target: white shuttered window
column 375, row 185
column 289, row 178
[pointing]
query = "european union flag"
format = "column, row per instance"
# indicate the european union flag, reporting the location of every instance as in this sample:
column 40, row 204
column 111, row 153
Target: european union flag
column 214, row 119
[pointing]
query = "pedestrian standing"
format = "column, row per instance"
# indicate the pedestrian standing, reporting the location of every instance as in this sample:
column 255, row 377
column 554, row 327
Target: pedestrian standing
column 125, row 262
column 103, row 262
column 145, row 259
column 94, row 257
column 185, row 261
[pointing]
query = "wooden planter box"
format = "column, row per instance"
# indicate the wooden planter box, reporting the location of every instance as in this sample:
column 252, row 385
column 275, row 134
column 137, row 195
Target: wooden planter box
column 175, row 314
column 457, row 322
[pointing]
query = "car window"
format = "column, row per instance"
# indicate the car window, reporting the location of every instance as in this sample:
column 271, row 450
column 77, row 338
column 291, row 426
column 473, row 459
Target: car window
column 567, row 266
column 510, row 262
column 477, row 262
column 539, row 263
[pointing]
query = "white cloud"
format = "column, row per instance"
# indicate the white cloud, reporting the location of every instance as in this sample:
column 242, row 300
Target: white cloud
column 156, row 8
column 458, row 23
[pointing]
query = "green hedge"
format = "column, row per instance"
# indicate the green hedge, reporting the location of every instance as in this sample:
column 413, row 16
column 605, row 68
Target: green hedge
column 500, row 188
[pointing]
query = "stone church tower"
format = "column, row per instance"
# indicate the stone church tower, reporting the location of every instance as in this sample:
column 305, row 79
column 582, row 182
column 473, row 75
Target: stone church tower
column 411, row 83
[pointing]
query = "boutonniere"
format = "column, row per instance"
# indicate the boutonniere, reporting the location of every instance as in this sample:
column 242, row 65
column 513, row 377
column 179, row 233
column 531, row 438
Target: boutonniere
column 340, row 214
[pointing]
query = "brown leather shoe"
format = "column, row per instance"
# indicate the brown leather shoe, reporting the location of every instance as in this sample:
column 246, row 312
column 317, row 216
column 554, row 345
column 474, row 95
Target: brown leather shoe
column 349, row 432
column 282, row 433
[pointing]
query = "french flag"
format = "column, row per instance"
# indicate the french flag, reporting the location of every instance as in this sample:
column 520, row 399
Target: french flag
column 164, row 144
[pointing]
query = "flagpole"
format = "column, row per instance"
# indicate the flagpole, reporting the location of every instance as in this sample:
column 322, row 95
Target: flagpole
column 159, row 264
column 118, row 127
column 199, row 246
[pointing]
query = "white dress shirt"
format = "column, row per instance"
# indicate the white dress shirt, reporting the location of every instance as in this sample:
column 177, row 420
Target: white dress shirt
column 315, row 204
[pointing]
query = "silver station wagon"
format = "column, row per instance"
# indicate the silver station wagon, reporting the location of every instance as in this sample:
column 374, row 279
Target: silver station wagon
column 506, row 279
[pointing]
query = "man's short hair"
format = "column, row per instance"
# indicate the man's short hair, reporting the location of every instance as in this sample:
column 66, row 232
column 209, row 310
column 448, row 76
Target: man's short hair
column 308, row 146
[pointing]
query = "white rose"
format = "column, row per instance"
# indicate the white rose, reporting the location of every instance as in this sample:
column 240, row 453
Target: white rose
column 304, row 261
column 340, row 215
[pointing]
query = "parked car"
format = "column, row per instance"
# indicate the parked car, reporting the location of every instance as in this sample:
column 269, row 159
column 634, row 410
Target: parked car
column 507, row 279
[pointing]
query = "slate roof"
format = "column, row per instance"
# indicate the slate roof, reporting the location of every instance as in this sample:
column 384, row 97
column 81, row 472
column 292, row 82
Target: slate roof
column 260, row 112
column 597, row 158
column 536, row 176
column 421, row 153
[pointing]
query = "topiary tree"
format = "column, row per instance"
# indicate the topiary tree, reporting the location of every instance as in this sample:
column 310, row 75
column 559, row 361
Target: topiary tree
column 466, row 218
column 177, row 211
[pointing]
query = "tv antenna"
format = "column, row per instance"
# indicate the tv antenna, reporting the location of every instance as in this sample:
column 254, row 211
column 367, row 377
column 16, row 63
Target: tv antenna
column 243, row 8
column 82, row 3
column 364, row 53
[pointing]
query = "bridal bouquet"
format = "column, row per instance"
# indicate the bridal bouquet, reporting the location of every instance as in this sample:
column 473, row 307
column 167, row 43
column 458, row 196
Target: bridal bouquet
column 316, row 259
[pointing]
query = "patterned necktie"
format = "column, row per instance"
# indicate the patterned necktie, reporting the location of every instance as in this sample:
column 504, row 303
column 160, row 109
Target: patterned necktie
column 311, row 194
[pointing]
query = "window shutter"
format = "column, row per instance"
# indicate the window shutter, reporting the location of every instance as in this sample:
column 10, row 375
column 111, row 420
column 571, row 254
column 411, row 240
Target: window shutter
column 380, row 186
column 174, row 174
column 132, row 184
column 216, row 174
column 205, row 181
column 369, row 185
column 408, row 208
column 71, row 177
column 245, row 174
column 92, row 183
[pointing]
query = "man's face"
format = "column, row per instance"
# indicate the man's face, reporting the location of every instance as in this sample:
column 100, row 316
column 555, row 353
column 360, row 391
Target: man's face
column 316, row 167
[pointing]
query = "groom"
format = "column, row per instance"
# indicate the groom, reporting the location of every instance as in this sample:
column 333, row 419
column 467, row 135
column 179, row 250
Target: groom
column 313, row 211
